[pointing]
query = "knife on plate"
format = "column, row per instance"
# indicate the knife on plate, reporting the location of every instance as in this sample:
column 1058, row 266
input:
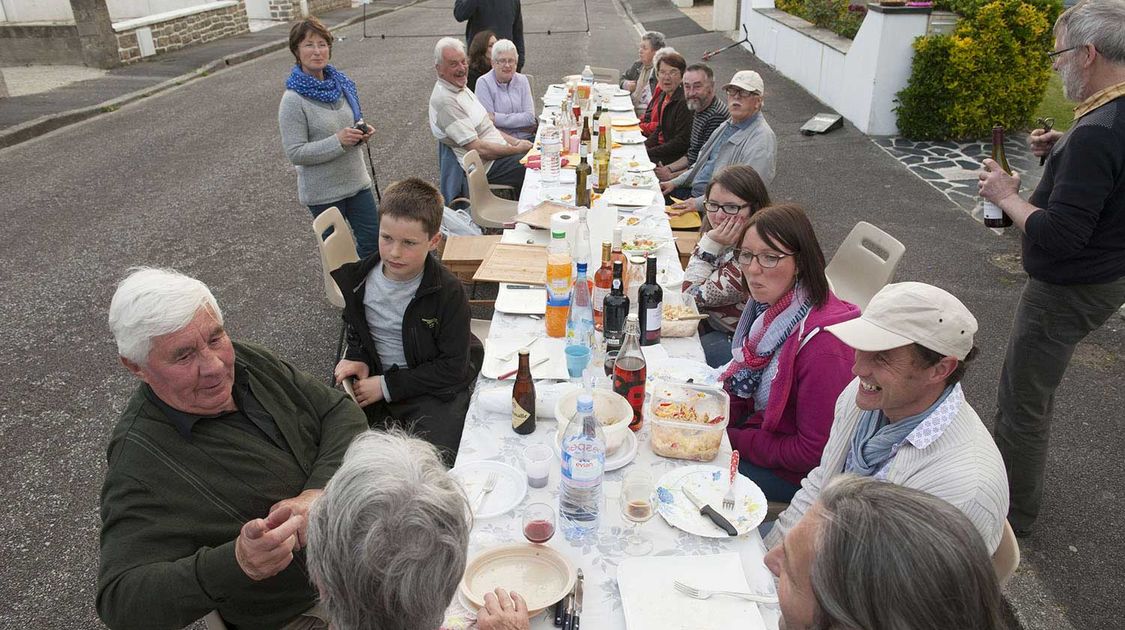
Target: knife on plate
column 573, row 621
column 710, row 512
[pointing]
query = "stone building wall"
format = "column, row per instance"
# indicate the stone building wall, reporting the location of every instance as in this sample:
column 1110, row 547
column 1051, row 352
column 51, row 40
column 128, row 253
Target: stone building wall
column 187, row 30
column 288, row 10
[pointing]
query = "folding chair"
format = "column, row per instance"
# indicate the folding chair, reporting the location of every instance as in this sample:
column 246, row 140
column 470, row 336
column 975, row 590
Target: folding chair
column 336, row 250
column 611, row 76
column 1007, row 556
column 864, row 263
column 214, row 621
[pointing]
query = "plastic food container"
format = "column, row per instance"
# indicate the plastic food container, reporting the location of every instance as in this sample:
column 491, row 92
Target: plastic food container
column 675, row 306
column 687, row 421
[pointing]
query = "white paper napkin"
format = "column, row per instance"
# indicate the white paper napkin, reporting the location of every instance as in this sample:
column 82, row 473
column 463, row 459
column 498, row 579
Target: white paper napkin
column 650, row 601
column 554, row 368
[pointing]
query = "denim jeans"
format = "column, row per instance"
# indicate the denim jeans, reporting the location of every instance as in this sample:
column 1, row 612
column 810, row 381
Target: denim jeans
column 716, row 347
column 1049, row 322
column 775, row 488
column 362, row 214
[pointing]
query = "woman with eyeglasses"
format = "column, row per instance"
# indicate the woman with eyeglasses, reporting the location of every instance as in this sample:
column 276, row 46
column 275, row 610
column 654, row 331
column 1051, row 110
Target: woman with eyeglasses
column 712, row 277
column 321, row 129
column 506, row 94
column 786, row 372
column 670, row 138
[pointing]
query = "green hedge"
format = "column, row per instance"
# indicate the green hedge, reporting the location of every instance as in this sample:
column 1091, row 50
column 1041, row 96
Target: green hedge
column 991, row 70
column 842, row 17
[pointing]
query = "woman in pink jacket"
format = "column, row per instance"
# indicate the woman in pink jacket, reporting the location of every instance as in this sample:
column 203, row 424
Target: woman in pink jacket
column 785, row 374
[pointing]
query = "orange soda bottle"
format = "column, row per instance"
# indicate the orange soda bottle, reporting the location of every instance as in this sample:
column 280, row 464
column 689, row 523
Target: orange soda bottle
column 559, row 268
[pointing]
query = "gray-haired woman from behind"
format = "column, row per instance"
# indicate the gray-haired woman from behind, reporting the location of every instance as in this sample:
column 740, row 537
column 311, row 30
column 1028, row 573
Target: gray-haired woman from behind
column 873, row 555
column 388, row 538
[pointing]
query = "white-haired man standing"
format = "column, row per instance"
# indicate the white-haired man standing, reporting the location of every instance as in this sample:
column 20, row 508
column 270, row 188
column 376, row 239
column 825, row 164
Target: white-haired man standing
column 458, row 120
column 1073, row 229
column 212, row 468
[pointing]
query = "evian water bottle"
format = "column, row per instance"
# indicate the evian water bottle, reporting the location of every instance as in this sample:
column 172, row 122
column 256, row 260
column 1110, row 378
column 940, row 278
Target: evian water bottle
column 550, row 142
column 583, row 468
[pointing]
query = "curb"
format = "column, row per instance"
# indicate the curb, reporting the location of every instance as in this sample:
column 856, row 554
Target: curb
column 45, row 124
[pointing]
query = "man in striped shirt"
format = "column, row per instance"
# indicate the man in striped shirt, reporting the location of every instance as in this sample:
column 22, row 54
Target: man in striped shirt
column 709, row 112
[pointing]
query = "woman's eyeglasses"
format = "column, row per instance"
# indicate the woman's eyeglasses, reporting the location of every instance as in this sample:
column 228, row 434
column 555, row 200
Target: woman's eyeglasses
column 767, row 261
column 728, row 208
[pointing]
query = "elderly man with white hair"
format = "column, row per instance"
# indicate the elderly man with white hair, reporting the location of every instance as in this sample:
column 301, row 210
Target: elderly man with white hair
column 387, row 541
column 458, row 120
column 212, row 468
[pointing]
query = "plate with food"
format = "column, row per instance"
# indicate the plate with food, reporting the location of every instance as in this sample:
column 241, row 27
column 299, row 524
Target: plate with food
column 709, row 483
column 560, row 195
column 638, row 180
column 642, row 244
column 629, row 137
column 631, row 197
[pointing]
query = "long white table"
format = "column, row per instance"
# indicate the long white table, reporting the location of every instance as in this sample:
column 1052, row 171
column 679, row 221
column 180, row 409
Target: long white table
column 488, row 436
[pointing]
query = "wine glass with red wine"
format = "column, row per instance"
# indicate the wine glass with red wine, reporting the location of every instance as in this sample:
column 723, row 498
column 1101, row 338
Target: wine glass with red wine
column 539, row 523
column 638, row 505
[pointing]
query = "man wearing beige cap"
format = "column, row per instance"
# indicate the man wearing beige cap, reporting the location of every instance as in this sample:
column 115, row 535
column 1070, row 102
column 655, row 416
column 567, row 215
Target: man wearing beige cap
column 744, row 138
column 905, row 419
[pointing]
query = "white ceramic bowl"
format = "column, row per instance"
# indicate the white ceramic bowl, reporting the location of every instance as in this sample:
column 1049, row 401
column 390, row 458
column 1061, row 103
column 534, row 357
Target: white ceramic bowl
column 610, row 408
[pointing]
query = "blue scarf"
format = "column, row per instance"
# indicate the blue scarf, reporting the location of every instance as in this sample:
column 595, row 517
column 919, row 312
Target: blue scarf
column 329, row 90
column 875, row 437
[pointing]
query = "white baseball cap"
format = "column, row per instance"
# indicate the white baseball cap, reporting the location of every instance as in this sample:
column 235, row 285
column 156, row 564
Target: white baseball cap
column 747, row 80
column 911, row 312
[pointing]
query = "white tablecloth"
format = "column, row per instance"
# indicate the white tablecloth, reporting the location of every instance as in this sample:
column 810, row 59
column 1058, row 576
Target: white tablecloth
column 490, row 436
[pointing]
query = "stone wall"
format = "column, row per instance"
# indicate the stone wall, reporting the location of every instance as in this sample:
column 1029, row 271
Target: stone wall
column 289, row 10
column 187, row 30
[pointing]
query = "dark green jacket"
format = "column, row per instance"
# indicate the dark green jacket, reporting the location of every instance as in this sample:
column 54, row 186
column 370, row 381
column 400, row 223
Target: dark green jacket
column 172, row 508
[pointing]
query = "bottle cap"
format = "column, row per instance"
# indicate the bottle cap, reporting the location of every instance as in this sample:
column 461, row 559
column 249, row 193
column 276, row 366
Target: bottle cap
column 524, row 351
column 632, row 317
column 558, row 234
column 585, row 403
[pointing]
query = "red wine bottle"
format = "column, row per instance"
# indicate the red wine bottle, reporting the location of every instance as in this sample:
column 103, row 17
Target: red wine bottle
column 650, row 305
column 616, row 308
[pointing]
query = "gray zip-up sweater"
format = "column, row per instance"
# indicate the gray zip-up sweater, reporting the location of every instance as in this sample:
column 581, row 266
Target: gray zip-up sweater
column 326, row 170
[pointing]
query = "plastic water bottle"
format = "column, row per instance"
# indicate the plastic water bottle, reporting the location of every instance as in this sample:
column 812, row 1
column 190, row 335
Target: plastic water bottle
column 587, row 76
column 550, row 142
column 580, row 319
column 583, row 468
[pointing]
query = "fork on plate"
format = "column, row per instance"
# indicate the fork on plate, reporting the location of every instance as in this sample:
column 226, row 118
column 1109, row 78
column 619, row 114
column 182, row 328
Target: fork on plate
column 699, row 593
column 728, row 499
column 511, row 355
column 489, row 486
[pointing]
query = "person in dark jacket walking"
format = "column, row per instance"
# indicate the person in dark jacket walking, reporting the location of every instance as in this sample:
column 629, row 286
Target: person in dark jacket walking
column 503, row 17
column 410, row 349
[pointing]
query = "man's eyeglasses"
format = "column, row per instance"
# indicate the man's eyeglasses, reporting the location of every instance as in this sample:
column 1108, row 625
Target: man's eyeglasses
column 1055, row 53
column 315, row 46
column 739, row 93
column 767, row 261
column 727, row 208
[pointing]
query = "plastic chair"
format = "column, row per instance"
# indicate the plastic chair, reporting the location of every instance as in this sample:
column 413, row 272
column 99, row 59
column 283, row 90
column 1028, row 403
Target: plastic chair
column 864, row 263
column 480, row 328
column 488, row 210
column 336, row 250
column 214, row 621
column 1007, row 556
column 452, row 184
column 611, row 76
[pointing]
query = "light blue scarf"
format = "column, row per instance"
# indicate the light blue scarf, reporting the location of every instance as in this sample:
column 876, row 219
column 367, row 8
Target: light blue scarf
column 875, row 437
column 329, row 90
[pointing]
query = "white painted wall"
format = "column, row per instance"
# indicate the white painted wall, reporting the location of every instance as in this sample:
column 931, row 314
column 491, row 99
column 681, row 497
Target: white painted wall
column 860, row 83
column 129, row 9
column 36, row 11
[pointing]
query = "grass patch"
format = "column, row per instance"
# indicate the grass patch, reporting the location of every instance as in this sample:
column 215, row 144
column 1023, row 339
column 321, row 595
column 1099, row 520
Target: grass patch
column 1054, row 104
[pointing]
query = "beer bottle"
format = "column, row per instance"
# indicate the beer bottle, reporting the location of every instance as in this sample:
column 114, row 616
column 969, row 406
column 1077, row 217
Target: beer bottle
column 582, row 172
column 523, row 397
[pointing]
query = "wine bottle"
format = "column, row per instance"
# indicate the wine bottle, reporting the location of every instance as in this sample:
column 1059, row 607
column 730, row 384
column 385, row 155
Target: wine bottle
column 650, row 305
column 523, row 397
column 630, row 371
column 601, row 164
column 994, row 217
column 615, row 309
column 603, row 279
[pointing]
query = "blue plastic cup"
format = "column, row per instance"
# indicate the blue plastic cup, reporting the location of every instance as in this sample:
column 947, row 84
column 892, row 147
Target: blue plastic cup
column 577, row 357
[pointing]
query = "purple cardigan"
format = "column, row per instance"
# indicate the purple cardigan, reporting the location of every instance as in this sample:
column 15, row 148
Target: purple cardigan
column 789, row 435
column 512, row 104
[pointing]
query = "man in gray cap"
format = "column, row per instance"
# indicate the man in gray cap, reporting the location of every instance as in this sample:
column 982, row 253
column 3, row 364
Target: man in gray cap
column 904, row 419
column 744, row 138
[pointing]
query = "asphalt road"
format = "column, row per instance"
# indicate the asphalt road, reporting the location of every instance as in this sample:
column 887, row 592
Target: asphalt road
column 195, row 179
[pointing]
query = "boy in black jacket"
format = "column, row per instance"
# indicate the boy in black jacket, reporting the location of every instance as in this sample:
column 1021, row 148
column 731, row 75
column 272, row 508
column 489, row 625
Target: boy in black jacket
column 410, row 349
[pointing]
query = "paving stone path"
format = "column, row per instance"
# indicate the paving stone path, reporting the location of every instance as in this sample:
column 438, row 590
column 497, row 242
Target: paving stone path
column 951, row 167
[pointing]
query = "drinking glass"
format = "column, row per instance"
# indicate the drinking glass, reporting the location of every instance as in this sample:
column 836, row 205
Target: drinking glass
column 638, row 505
column 538, row 523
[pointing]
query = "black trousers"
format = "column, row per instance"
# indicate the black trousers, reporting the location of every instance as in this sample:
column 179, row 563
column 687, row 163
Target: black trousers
column 432, row 419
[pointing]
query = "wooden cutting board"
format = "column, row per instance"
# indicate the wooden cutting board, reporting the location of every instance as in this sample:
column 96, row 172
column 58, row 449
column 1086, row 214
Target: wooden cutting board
column 515, row 263
column 540, row 215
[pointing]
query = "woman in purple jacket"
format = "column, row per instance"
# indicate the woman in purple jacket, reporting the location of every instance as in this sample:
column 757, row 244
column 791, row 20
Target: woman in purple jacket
column 506, row 94
column 786, row 373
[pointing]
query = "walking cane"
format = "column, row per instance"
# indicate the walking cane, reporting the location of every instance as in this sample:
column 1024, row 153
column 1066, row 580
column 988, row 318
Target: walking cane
column 374, row 179
column 745, row 40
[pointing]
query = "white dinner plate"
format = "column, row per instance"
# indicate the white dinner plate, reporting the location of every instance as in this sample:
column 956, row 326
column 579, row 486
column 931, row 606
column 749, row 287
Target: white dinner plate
column 620, row 458
column 621, row 107
column 629, row 137
column 626, row 121
column 710, row 484
column 511, row 486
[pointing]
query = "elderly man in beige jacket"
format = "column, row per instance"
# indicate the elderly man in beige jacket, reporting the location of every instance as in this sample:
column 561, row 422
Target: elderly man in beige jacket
column 904, row 419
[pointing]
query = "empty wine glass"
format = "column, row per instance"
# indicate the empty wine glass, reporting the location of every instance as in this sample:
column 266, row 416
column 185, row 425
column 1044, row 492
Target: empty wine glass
column 538, row 523
column 638, row 505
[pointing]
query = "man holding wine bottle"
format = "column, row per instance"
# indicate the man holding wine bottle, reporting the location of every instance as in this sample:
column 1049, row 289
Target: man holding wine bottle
column 1073, row 242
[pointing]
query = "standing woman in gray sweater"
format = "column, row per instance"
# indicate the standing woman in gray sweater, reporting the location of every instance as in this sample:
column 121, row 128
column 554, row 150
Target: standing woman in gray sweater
column 321, row 129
